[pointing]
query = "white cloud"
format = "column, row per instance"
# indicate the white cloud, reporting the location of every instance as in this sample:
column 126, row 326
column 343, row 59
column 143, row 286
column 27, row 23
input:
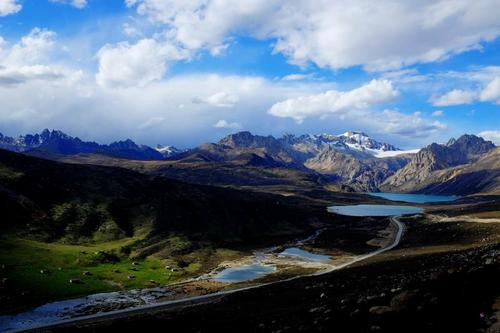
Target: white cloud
column 492, row 91
column 130, row 30
column 29, row 59
column 387, row 34
column 455, row 97
column 333, row 101
column 227, row 125
column 156, row 114
column 489, row 93
column 493, row 136
column 221, row 99
column 404, row 76
column 25, row 73
column 80, row 4
column 33, row 48
column 297, row 77
column 438, row 113
column 395, row 122
column 8, row 7
column 125, row 65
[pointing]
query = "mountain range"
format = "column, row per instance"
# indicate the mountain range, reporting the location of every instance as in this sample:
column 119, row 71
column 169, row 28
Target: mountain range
column 352, row 160
column 56, row 142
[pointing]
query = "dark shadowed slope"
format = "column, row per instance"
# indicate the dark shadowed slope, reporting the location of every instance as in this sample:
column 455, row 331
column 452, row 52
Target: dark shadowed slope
column 55, row 200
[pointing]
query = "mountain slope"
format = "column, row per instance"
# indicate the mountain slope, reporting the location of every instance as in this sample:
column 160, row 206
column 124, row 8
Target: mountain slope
column 361, row 174
column 482, row 176
column 419, row 172
column 56, row 201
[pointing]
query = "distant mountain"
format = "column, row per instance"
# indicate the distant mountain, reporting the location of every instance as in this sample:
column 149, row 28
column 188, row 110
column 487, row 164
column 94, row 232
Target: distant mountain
column 244, row 148
column 359, row 173
column 482, row 176
column 169, row 151
column 421, row 171
column 56, row 142
column 350, row 142
column 291, row 149
column 352, row 160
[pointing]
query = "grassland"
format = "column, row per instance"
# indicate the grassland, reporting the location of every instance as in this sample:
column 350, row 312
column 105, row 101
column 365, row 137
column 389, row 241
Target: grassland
column 38, row 272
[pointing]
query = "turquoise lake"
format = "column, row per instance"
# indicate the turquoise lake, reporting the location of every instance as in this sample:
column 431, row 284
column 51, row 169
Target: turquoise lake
column 414, row 198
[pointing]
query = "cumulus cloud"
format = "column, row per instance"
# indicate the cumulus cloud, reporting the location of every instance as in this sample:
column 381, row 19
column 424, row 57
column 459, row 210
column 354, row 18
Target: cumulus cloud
column 222, row 99
column 395, row 122
column 125, row 65
column 29, row 59
column 80, row 4
column 155, row 114
column 333, row 34
column 454, row 97
column 438, row 113
column 491, row 92
column 8, row 7
column 333, row 101
column 227, row 125
column 493, row 136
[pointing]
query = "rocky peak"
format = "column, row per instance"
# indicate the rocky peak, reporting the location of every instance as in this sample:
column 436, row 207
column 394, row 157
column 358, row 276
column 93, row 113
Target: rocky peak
column 57, row 142
column 126, row 144
column 464, row 150
column 361, row 140
column 471, row 144
column 168, row 151
column 246, row 139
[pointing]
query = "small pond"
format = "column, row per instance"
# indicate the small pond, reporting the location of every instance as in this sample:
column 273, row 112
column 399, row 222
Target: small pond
column 302, row 254
column 374, row 210
column 244, row 273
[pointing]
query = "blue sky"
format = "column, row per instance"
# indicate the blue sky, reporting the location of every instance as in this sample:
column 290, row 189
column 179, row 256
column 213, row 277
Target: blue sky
column 187, row 72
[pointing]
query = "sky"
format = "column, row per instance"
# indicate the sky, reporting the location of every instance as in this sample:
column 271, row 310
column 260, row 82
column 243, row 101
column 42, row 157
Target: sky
column 185, row 72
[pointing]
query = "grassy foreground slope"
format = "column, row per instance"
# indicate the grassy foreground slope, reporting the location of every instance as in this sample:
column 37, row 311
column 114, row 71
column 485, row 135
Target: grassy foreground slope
column 92, row 223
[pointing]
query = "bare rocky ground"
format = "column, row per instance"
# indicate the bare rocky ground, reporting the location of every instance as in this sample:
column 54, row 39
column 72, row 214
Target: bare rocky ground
column 443, row 277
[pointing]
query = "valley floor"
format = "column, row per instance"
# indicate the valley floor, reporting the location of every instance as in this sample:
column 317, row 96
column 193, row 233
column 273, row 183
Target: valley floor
column 443, row 277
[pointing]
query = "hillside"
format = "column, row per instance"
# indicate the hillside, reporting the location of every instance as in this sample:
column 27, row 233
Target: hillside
column 112, row 228
column 45, row 196
column 482, row 176
column 437, row 164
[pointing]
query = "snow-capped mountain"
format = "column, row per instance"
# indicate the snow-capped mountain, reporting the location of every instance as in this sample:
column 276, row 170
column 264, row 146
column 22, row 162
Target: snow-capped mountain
column 168, row 151
column 349, row 142
column 361, row 141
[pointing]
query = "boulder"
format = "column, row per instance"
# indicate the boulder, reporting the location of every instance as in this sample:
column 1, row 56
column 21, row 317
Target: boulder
column 380, row 310
column 404, row 300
